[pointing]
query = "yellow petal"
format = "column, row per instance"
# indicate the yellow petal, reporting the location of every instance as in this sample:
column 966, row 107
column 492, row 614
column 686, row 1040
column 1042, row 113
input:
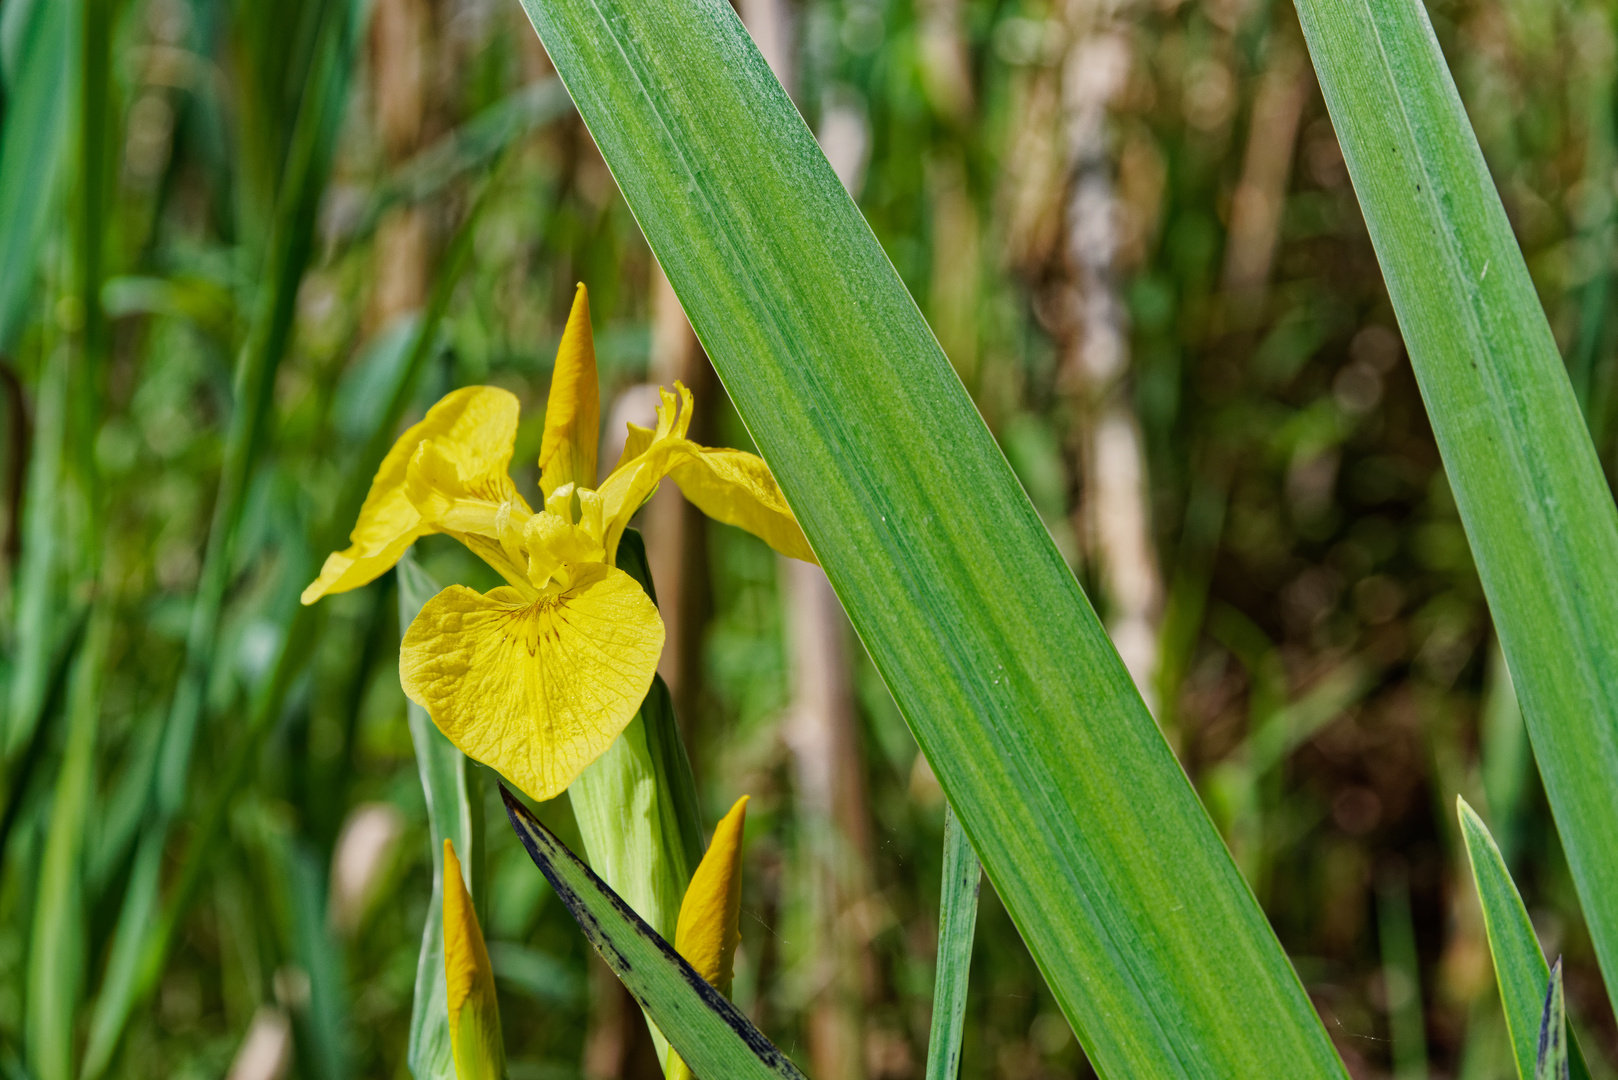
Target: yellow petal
column 573, row 414
column 707, row 932
column 635, row 478
column 737, row 488
column 535, row 689
column 474, row 1009
column 728, row 485
column 475, row 427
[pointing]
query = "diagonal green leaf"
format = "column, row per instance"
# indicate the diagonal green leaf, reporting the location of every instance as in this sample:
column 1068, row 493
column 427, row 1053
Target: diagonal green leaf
column 453, row 813
column 957, row 924
column 1150, row 940
column 711, row 1034
column 1551, row 1062
column 1519, row 966
column 33, row 145
column 1531, row 494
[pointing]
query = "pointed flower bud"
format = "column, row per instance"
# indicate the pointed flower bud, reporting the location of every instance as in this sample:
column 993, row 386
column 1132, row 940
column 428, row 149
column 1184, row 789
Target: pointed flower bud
column 708, row 930
column 474, row 1013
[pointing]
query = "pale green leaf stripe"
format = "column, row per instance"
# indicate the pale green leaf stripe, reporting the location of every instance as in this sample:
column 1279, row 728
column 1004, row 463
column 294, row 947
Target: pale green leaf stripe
column 1150, row 940
column 710, row 1033
column 957, row 925
column 1537, row 511
column 450, row 815
column 1519, row 966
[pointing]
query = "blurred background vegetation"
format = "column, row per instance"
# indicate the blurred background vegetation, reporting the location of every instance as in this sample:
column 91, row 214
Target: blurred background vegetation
column 244, row 243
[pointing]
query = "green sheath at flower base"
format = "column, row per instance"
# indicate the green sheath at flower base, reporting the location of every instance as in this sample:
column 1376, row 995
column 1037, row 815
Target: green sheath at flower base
column 474, row 1011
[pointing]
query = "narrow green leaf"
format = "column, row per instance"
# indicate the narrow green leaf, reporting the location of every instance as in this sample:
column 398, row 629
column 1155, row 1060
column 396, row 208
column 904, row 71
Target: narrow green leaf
column 1537, row 510
column 452, row 814
column 38, row 590
column 57, row 950
column 1550, row 1063
column 33, row 145
column 297, row 645
column 1163, row 965
column 1519, row 966
column 1401, row 978
column 957, row 925
column 292, row 245
column 710, row 1033
column 139, row 948
column 680, row 814
column 473, row 145
column 322, row 1022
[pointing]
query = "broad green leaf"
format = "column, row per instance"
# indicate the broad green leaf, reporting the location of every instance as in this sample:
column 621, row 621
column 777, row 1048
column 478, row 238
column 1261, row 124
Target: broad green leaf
column 710, row 1033
column 957, row 924
column 454, row 812
column 1519, row 966
column 1164, row 965
column 1551, row 1062
column 1541, row 521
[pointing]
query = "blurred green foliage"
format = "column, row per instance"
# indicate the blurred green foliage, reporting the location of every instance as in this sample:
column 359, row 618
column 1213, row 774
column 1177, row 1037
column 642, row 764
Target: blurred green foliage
column 201, row 207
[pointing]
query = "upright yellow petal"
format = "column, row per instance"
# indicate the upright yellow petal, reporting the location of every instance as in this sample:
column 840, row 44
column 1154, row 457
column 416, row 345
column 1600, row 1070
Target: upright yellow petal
column 634, row 479
column 474, row 1010
column 475, row 428
column 535, row 689
column 707, row 933
column 573, row 413
column 737, row 488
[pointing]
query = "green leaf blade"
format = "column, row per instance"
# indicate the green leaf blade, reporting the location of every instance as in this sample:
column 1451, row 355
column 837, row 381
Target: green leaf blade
column 1537, row 510
column 957, row 926
column 450, row 815
column 1519, row 966
column 1152, row 943
column 711, row 1034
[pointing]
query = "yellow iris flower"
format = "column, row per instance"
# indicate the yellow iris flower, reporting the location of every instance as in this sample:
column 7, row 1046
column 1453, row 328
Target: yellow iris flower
column 474, row 1011
column 707, row 934
column 536, row 678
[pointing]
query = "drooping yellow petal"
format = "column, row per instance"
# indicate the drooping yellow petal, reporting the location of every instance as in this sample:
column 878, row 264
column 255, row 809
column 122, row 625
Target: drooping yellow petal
column 474, row 1010
column 738, row 489
column 731, row 486
column 535, row 689
column 567, row 455
column 707, row 933
column 475, row 428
